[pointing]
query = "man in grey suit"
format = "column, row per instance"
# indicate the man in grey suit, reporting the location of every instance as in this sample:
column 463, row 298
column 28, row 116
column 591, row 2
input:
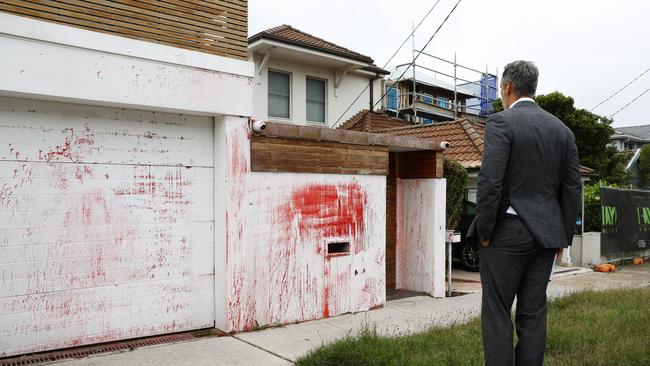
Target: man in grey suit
column 527, row 203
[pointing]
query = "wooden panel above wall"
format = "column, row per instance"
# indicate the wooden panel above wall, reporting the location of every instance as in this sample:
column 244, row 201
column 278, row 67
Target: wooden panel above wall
column 215, row 27
column 270, row 154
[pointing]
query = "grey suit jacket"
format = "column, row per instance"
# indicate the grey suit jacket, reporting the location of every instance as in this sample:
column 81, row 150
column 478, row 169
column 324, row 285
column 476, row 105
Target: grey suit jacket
column 530, row 162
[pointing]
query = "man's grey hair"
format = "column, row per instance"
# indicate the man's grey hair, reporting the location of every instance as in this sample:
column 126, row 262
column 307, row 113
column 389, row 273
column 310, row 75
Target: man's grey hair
column 522, row 75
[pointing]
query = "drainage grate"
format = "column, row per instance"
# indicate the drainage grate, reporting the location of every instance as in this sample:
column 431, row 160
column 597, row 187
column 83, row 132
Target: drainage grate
column 119, row 346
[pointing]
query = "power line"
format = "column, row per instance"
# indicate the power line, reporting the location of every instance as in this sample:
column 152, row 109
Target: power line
column 630, row 102
column 389, row 60
column 412, row 63
column 620, row 90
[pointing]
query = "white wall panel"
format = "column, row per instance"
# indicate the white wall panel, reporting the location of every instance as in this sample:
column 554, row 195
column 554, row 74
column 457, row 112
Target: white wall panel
column 420, row 235
column 278, row 226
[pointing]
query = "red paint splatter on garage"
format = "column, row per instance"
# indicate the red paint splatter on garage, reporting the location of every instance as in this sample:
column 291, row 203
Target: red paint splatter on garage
column 94, row 209
column 58, row 152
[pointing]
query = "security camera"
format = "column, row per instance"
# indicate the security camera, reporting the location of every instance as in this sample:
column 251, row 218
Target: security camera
column 259, row 126
column 444, row 145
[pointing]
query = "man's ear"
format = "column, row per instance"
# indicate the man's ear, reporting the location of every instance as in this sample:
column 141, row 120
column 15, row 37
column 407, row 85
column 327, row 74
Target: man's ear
column 507, row 88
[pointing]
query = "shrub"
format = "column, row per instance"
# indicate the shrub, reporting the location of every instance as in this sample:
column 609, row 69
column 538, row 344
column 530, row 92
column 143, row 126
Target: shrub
column 456, row 176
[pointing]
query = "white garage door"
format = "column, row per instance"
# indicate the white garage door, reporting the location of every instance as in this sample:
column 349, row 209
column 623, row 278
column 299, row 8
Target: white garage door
column 106, row 224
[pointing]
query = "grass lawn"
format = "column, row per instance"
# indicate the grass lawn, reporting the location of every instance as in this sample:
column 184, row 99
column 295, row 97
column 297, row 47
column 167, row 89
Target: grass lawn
column 589, row 328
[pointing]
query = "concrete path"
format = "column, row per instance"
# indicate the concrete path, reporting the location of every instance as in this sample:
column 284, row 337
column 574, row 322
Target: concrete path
column 280, row 346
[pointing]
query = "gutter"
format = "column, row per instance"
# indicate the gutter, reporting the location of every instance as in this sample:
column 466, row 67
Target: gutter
column 372, row 89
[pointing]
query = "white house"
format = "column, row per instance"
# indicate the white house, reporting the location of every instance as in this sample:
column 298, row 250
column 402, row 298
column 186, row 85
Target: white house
column 630, row 138
column 303, row 79
column 137, row 198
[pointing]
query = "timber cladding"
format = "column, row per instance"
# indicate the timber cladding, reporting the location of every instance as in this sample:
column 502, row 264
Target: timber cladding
column 211, row 26
column 270, row 154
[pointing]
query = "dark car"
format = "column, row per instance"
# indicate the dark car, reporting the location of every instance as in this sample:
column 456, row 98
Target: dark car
column 466, row 252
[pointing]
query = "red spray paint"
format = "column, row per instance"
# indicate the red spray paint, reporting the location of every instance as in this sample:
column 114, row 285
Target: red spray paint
column 330, row 210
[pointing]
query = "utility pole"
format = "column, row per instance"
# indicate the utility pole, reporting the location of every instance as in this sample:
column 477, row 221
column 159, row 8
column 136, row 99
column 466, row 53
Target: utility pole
column 414, row 95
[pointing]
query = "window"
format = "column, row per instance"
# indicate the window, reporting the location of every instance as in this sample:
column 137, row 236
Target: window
column 279, row 94
column 315, row 100
column 442, row 102
column 469, row 208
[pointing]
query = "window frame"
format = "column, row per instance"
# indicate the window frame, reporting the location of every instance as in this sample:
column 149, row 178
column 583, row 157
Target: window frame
column 290, row 94
column 324, row 81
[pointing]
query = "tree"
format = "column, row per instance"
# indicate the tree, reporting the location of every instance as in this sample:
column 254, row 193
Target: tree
column 613, row 167
column 498, row 105
column 592, row 133
column 644, row 166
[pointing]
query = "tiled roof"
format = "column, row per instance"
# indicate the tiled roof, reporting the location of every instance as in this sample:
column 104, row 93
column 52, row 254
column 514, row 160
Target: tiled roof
column 642, row 132
column 464, row 136
column 372, row 121
column 287, row 34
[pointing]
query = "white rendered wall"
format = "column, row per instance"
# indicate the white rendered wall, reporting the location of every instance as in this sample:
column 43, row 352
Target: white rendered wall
column 56, row 62
column 420, row 235
column 278, row 226
column 336, row 101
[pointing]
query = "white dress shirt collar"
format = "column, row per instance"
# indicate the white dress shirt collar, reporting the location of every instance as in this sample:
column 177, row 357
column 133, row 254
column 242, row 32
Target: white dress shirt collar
column 522, row 99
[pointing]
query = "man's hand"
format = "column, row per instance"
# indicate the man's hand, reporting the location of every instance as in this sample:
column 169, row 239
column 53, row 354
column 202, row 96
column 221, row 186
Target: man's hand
column 560, row 251
column 485, row 243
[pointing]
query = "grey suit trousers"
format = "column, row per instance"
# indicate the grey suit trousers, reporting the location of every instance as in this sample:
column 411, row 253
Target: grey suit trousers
column 514, row 265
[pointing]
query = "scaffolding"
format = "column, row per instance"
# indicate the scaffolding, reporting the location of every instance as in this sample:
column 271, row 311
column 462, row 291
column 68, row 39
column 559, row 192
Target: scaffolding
column 470, row 97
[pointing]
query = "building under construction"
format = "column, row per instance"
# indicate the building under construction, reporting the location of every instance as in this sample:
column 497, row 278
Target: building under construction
column 422, row 94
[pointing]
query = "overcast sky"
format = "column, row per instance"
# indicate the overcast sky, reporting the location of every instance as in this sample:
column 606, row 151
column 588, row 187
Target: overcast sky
column 587, row 49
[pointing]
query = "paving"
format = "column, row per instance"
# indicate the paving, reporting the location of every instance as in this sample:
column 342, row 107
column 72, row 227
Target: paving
column 282, row 345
